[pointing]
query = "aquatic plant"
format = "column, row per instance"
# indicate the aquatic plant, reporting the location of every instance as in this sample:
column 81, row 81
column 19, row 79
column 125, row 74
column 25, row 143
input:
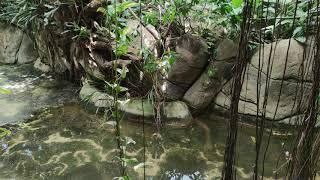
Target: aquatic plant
column 4, row 132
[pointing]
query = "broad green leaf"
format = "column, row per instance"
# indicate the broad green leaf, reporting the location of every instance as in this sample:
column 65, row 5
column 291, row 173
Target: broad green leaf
column 298, row 32
column 122, row 50
column 172, row 58
column 126, row 178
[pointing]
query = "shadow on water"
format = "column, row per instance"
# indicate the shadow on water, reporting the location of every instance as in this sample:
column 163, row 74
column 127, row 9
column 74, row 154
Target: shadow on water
column 68, row 142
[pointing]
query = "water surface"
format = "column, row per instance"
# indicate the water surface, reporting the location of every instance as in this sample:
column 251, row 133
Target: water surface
column 67, row 142
column 31, row 90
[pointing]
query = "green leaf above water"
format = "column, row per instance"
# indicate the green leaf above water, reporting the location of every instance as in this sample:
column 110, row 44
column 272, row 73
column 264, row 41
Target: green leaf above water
column 4, row 132
column 5, row 91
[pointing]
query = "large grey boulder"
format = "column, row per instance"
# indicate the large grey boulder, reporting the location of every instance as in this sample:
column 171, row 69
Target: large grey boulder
column 15, row 46
column 227, row 50
column 279, row 51
column 293, row 98
column 10, row 41
column 192, row 57
column 204, row 90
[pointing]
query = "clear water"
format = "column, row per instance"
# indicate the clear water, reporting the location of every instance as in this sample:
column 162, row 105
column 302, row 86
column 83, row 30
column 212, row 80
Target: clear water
column 66, row 142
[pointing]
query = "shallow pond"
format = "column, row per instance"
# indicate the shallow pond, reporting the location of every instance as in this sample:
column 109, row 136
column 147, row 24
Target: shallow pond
column 68, row 142
column 62, row 140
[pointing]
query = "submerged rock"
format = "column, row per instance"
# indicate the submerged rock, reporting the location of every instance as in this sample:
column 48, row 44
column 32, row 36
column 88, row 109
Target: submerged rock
column 179, row 159
column 172, row 110
column 134, row 107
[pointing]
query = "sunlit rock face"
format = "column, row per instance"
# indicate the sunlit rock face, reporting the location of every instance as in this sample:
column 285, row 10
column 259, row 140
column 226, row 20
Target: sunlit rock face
column 15, row 46
column 281, row 74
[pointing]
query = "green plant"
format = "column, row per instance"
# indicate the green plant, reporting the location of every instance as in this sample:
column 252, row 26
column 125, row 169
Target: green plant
column 80, row 32
column 116, row 16
column 28, row 13
column 4, row 132
column 280, row 17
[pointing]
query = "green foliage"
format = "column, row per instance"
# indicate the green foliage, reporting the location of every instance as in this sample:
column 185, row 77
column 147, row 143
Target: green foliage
column 150, row 61
column 153, row 64
column 150, row 17
column 116, row 17
column 4, row 132
column 115, row 87
column 279, row 18
column 81, row 32
column 212, row 71
column 237, row 3
column 27, row 13
column 21, row 12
